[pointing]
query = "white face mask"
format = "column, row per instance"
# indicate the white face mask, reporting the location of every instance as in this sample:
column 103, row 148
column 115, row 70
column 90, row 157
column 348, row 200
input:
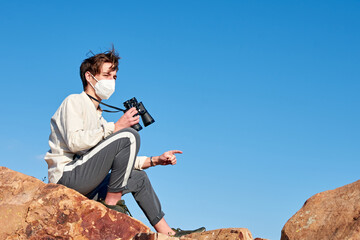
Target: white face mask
column 104, row 88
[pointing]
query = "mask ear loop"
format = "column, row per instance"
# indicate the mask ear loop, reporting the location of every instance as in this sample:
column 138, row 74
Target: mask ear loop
column 95, row 80
column 94, row 77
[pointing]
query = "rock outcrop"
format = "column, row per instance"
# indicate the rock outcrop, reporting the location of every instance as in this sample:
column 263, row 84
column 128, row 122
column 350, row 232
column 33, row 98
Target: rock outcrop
column 333, row 214
column 223, row 234
column 226, row 234
column 31, row 209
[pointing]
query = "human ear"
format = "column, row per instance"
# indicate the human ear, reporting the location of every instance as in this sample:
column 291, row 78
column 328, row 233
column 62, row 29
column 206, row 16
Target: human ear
column 88, row 76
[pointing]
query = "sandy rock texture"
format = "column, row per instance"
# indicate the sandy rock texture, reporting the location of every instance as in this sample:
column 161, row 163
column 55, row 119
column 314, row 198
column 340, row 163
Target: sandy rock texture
column 330, row 215
column 223, row 234
column 31, row 209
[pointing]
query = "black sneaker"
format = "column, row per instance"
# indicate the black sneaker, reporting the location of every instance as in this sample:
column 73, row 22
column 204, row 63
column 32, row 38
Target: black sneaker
column 119, row 207
column 180, row 233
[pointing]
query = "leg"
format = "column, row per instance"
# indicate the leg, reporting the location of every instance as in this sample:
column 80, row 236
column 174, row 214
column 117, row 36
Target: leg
column 140, row 187
column 163, row 227
column 116, row 153
column 99, row 193
column 113, row 198
column 145, row 196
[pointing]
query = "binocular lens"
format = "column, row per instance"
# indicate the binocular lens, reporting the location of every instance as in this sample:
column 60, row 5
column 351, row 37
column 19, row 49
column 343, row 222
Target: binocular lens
column 137, row 127
column 147, row 119
column 145, row 115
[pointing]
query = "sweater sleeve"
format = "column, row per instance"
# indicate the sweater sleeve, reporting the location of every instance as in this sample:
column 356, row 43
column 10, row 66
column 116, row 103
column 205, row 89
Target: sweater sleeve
column 108, row 127
column 139, row 162
column 71, row 119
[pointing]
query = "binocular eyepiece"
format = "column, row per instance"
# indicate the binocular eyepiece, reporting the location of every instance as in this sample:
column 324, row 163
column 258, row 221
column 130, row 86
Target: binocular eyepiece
column 144, row 114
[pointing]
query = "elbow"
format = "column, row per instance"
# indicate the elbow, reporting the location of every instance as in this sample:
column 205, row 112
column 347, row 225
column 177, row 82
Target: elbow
column 74, row 145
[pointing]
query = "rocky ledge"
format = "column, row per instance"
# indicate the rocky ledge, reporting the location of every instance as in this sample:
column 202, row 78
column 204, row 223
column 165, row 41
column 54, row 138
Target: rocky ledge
column 31, row 209
column 329, row 215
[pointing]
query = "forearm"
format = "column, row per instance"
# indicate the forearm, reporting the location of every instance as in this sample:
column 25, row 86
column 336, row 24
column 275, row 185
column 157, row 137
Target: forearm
column 167, row 158
column 148, row 163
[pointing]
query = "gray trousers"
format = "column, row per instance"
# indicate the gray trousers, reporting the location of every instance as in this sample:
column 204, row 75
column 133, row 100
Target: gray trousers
column 89, row 173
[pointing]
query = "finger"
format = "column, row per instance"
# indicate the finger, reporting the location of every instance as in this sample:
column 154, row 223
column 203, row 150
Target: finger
column 166, row 162
column 132, row 111
column 136, row 118
column 175, row 151
column 134, row 122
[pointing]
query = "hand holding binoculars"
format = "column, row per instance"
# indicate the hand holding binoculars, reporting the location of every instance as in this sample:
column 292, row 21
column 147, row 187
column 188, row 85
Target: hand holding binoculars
column 144, row 114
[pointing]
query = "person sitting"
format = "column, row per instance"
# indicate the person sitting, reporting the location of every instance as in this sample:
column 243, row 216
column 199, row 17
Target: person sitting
column 84, row 147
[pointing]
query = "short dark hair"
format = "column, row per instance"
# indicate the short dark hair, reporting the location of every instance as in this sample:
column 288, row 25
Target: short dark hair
column 93, row 64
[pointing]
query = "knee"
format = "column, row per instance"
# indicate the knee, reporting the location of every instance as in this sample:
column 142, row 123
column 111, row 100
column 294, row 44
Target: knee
column 130, row 131
column 141, row 177
column 133, row 132
column 138, row 174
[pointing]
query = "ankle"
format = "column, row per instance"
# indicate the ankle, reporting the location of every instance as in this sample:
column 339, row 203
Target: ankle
column 110, row 202
column 113, row 198
column 164, row 228
column 171, row 233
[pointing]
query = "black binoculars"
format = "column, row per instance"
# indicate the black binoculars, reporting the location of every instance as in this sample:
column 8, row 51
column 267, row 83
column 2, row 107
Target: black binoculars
column 144, row 114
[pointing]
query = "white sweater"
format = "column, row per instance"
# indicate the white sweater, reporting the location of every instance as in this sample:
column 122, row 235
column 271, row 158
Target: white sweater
column 76, row 127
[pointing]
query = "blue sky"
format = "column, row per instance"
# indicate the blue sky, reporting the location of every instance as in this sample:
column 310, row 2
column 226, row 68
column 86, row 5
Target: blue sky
column 261, row 96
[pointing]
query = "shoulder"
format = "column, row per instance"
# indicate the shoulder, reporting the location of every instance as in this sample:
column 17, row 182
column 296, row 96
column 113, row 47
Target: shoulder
column 73, row 101
column 75, row 98
column 70, row 106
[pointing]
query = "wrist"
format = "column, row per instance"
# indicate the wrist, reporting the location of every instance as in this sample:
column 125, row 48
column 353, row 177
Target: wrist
column 118, row 126
column 154, row 161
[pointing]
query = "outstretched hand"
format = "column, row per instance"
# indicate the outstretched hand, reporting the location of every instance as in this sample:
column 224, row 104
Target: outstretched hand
column 168, row 157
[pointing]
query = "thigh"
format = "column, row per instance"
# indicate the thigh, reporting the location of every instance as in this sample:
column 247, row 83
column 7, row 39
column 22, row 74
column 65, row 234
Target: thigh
column 86, row 172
